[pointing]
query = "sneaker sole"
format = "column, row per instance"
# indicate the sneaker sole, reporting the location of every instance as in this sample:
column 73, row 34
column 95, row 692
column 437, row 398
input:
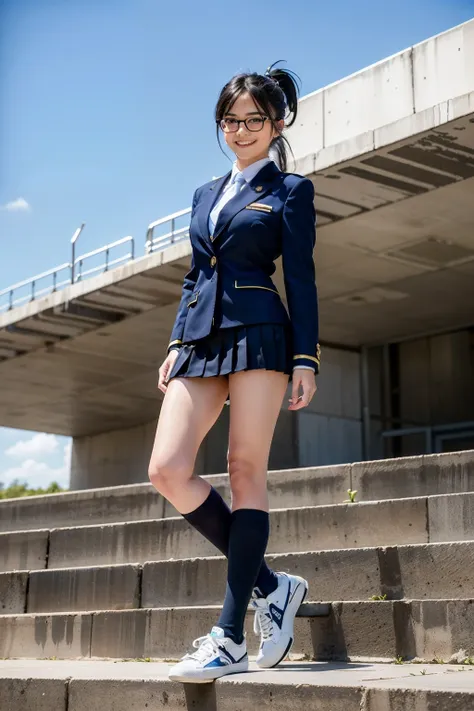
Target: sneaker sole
column 210, row 675
column 292, row 606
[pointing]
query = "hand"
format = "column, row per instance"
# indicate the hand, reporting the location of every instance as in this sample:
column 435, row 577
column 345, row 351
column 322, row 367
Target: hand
column 304, row 379
column 166, row 368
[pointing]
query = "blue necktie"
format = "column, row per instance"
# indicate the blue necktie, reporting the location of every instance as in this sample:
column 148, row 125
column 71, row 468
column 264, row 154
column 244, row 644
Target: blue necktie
column 234, row 189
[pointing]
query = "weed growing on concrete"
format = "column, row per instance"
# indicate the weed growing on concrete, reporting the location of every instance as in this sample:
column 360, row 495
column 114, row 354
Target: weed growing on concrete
column 352, row 496
column 399, row 660
column 378, row 597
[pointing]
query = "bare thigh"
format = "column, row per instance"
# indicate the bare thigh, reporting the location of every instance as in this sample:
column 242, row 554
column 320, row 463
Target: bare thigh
column 190, row 408
column 256, row 398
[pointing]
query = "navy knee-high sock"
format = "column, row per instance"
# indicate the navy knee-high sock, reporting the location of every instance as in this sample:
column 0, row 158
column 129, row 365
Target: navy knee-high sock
column 247, row 543
column 213, row 520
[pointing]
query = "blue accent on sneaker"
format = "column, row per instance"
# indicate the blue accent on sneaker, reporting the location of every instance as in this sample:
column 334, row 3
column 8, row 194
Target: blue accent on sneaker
column 217, row 662
column 276, row 613
column 225, row 659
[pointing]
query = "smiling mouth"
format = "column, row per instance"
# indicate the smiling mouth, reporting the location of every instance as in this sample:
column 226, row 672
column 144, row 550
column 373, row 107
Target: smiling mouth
column 244, row 143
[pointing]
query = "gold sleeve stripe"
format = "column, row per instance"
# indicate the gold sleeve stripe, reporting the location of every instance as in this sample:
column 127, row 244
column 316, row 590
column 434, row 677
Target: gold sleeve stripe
column 173, row 343
column 316, row 360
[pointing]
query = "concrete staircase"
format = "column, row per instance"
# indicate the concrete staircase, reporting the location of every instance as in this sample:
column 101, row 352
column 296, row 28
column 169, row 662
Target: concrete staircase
column 91, row 579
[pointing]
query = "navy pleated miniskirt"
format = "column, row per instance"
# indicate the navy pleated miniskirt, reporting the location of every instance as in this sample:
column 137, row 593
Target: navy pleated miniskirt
column 266, row 346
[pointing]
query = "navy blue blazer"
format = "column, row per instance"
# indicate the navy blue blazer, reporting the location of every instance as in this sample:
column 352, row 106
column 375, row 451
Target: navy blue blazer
column 230, row 284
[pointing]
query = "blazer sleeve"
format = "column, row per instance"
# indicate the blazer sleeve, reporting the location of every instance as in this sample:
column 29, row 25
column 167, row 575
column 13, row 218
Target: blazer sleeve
column 189, row 283
column 298, row 241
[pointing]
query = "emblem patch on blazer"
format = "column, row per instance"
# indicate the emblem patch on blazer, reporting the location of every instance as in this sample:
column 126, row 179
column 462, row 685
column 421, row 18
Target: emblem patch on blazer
column 259, row 206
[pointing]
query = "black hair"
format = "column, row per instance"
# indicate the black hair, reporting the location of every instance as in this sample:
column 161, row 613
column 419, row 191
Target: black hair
column 276, row 95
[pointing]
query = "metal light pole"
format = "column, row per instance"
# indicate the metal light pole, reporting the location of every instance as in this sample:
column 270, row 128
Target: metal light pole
column 73, row 250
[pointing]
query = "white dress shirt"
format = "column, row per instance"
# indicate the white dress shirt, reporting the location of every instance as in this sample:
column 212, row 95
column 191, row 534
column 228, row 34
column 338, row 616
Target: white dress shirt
column 228, row 193
column 248, row 173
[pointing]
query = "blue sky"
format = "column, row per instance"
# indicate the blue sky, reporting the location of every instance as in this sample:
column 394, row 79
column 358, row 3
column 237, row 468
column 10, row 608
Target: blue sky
column 106, row 117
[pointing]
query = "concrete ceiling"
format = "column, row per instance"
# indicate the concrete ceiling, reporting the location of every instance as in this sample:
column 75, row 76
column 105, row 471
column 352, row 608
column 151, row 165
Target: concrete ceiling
column 403, row 262
column 394, row 259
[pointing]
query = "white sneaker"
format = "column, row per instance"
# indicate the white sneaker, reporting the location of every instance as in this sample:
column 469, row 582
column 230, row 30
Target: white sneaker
column 216, row 656
column 274, row 618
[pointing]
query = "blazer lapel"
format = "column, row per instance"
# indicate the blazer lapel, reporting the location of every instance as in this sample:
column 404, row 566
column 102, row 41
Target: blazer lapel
column 206, row 204
column 257, row 188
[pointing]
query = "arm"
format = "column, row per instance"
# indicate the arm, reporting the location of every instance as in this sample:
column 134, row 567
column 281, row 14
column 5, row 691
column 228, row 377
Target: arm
column 298, row 241
column 189, row 283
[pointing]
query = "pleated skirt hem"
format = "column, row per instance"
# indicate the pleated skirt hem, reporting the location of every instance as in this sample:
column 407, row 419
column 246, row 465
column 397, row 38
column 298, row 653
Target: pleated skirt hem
column 265, row 346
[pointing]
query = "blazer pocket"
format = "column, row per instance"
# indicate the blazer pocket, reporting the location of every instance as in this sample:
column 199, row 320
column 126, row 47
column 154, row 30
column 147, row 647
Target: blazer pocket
column 249, row 284
column 263, row 207
column 193, row 299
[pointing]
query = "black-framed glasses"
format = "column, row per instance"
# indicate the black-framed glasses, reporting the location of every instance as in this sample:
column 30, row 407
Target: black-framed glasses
column 231, row 125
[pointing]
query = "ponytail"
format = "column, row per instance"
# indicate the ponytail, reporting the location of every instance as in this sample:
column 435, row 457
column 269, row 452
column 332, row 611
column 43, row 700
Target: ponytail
column 275, row 92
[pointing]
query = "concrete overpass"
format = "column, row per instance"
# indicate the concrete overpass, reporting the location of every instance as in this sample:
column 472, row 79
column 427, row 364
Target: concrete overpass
column 391, row 153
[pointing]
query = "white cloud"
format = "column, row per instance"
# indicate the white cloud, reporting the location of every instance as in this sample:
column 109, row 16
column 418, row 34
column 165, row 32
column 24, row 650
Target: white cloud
column 40, row 445
column 38, row 474
column 18, row 205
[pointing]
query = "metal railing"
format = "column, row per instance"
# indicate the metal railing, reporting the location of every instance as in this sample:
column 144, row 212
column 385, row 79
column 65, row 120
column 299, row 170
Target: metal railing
column 434, row 435
column 171, row 236
column 15, row 296
column 78, row 272
column 176, row 230
column 64, row 275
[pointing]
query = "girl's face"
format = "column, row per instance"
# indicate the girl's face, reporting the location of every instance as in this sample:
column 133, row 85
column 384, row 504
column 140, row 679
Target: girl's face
column 249, row 146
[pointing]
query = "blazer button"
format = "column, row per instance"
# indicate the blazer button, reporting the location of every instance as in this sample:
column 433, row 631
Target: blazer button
column 213, row 261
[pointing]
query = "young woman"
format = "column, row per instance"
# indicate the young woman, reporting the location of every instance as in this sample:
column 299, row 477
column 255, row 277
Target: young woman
column 233, row 339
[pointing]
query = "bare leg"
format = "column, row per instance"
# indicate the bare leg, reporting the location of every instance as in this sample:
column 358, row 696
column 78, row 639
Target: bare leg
column 255, row 401
column 190, row 408
column 256, row 398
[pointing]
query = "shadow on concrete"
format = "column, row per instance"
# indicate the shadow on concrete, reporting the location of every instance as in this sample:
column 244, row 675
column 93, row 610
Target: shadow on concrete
column 200, row 697
column 320, row 666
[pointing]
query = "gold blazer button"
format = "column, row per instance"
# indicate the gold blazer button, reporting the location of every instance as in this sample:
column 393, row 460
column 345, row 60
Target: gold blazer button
column 213, row 261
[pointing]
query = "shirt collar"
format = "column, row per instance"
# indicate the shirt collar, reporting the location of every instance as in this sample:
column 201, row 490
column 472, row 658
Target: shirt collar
column 251, row 171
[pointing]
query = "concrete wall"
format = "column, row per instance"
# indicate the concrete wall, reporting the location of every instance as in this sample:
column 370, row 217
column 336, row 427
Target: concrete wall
column 423, row 382
column 437, row 379
column 112, row 458
column 327, row 432
column 330, row 429
column 424, row 77
column 436, row 383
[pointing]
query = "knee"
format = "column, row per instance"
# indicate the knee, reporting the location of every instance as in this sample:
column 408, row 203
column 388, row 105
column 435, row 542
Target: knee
column 168, row 474
column 244, row 475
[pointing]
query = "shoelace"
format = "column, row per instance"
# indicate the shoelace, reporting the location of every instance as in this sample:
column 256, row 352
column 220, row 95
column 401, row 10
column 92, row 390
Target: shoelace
column 207, row 647
column 263, row 621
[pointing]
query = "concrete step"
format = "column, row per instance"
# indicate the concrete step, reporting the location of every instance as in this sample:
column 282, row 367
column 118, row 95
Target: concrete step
column 383, row 479
column 425, row 571
column 34, row 685
column 374, row 523
column 355, row 630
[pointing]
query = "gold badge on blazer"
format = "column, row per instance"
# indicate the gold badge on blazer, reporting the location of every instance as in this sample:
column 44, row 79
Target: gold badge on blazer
column 259, row 206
